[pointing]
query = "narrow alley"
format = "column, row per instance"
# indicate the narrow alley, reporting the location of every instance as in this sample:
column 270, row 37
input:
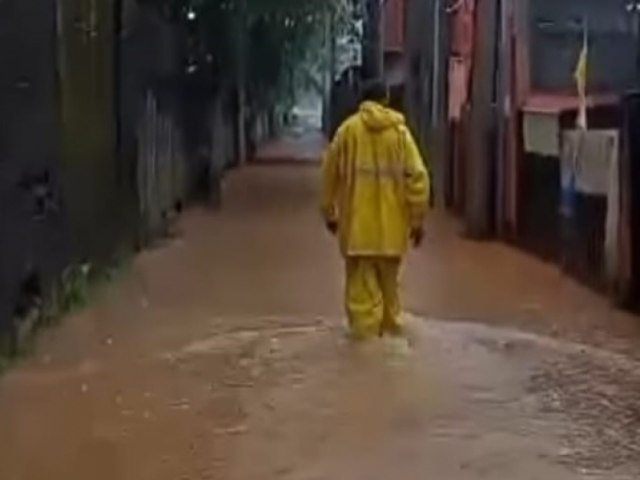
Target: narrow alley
column 172, row 304
column 221, row 355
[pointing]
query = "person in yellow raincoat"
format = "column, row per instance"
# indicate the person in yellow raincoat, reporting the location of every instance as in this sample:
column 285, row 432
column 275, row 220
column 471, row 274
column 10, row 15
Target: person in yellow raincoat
column 375, row 194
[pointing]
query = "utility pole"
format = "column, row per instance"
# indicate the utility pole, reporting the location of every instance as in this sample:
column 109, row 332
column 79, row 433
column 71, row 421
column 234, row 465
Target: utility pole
column 241, row 65
column 479, row 175
column 373, row 60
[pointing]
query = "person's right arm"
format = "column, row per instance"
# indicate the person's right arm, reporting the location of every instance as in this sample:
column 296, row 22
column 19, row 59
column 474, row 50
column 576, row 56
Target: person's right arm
column 418, row 187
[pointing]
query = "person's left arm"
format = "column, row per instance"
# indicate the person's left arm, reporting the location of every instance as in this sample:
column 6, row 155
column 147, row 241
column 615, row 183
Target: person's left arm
column 330, row 182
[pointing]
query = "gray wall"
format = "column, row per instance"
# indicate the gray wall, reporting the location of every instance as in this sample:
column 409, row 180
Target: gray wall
column 72, row 98
column 34, row 242
column 556, row 41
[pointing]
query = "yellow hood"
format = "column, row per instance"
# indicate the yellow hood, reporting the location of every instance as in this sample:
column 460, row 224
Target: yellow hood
column 378, row 118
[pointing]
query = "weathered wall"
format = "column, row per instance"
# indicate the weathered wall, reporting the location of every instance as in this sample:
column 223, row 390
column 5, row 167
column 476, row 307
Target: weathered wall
column 87, row 57
column 540, row 206
column 578, row 244
column 628, row 288
column 92, row 144
column 34, row 240
column 105, row 135
column 394, row 25
column 151, row 138
column 210, row 128
column 148, row 50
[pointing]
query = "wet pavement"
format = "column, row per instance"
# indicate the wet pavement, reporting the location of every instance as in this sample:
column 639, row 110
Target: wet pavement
column 222, row 355
column 298, row 147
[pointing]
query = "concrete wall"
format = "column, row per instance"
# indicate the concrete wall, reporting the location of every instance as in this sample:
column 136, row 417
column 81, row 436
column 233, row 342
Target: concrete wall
column 34, row 238
column 92, row 147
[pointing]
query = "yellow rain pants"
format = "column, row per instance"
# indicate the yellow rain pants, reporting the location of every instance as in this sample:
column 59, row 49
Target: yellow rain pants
column 372, row 296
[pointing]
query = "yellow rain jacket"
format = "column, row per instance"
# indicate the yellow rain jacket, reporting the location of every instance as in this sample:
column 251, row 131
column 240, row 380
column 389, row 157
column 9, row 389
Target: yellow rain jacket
column 375, row 183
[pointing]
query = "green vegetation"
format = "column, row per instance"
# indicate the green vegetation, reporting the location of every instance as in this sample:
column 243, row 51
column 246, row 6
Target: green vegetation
column 72, row 292
column 276, row 45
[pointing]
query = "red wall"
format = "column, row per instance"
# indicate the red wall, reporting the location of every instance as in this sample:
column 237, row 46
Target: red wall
column 394, row 25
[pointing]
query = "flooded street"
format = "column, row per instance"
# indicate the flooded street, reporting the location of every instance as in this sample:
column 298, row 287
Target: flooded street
column 222, row 354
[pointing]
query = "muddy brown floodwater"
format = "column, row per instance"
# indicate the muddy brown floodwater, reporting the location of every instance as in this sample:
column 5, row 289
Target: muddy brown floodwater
column 221, row 355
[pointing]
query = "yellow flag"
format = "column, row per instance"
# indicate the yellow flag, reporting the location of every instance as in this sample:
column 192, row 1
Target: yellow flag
column 580, row 76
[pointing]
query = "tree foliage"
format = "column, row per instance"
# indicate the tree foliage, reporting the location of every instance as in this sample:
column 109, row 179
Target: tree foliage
column 281, row 37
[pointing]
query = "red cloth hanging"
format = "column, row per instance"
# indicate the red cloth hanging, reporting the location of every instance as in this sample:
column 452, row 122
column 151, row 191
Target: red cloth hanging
column 459, row 71
column 463, row 29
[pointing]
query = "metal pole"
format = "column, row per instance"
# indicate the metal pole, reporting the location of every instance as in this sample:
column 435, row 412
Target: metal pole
column 435, row 79
column 241, row 46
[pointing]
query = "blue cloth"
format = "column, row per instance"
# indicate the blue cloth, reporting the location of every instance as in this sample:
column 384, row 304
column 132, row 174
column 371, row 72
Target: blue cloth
column 568, row 197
